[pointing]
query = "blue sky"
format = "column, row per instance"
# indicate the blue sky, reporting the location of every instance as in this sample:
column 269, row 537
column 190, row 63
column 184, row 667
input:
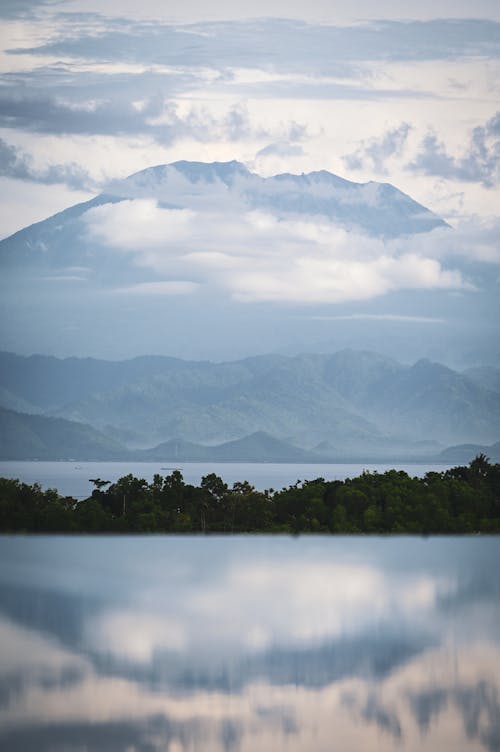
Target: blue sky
column 395, row 92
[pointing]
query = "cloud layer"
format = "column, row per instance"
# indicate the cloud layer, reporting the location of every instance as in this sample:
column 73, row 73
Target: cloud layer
column 257, row 257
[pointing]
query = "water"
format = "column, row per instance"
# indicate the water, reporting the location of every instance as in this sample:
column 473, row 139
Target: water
column 249, row 643
column 72, row 478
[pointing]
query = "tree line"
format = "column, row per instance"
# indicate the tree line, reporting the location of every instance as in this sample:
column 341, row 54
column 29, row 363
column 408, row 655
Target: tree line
column 463, row 499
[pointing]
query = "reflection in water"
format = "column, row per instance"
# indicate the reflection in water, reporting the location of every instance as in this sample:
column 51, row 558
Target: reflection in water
column 244, row 643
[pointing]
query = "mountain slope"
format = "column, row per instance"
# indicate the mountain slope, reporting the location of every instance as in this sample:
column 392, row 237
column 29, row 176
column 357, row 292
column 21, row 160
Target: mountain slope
column 485, row 376
column 25, row 437
column 439, row 402
column 213, row 403
column 427, row 398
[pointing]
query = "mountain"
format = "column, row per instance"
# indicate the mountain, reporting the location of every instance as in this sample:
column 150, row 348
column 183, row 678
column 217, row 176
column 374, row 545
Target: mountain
column 436, row 402
column 210, row 260
column 25, row 437
column 63, row 240
column 213, row 403
column 348, row 403
column 257, row 447
column 43, row 382
column 463, row 453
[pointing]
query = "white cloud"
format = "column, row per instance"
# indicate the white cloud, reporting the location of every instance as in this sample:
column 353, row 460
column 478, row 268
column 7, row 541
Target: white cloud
column 163, row 287
column 380, row 317
column 313, row 280
column 63, row 278
column 475, row 239
column 255, row 256
column 139, row 225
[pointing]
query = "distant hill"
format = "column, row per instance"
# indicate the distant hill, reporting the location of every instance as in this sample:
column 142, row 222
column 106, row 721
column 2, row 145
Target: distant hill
column 355, row 403
column 436, row 402
column 464, row 453
column 25, row 437
column 45, row 382
column 258, row 447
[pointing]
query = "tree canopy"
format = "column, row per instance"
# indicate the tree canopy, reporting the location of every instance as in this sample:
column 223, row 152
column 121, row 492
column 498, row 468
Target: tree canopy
column 463, row 499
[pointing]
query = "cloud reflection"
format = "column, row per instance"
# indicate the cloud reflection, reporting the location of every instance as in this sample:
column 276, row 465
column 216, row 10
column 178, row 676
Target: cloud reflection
column 236, row 644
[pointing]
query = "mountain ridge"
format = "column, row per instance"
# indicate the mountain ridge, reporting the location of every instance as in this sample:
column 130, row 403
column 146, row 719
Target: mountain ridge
column 357, row 402
column 26, row 437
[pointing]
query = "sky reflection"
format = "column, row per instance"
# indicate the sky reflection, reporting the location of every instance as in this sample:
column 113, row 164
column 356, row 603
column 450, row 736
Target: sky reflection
column 247, row 642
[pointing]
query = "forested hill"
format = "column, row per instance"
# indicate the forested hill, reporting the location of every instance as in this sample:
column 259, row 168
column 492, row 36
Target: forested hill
column 349, row 403
column 24, row 436
column 464, row 499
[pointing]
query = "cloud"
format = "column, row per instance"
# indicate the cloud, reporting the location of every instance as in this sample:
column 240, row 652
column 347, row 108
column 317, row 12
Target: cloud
column 14, row 163
column 479, row 164
column 255, row 256
column 314, row 279
column 159, row 118
column 473, row 240
column 24, row 8
column 44, row 114
column 163, row 287
column 280, row 149
column 279, row 42
column 380, row 317
column 276, row 157
column 373, row 153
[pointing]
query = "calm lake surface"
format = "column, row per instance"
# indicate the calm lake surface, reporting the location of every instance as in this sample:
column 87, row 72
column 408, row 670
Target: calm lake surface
column 238, row 644
column 72, row 478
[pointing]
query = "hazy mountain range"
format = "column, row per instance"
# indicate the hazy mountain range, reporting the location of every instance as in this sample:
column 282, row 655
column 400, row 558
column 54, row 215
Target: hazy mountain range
column 349, row 404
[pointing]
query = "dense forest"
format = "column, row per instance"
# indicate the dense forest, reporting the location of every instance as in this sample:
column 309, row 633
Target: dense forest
column 459, row 500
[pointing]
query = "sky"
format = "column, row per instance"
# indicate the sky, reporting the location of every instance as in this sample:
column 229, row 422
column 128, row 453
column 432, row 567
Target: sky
column 399, row 92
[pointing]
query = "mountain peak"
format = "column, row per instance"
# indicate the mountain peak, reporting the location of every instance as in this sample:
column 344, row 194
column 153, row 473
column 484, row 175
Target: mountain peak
column 195, row 172
column 221, row 169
